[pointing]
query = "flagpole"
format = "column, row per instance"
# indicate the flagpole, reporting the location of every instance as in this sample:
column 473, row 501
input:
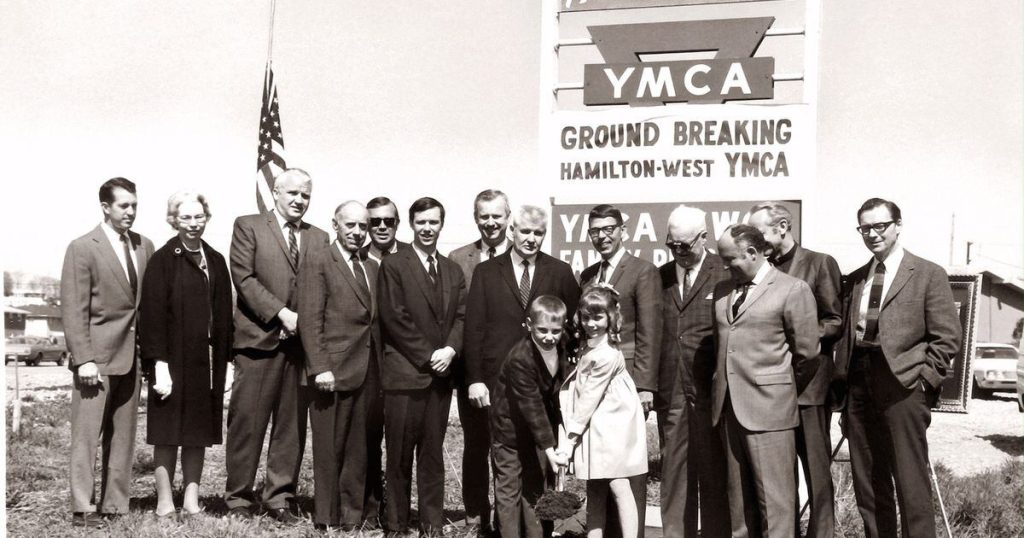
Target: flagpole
column 270, row 42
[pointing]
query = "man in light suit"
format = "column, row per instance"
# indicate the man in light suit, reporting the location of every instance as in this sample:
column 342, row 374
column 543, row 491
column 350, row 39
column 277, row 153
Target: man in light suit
column 639, row 288
column 422, row 304
column 341, row 336
column 900, row 335
column 821, row 273
column 765, row 323
column 99, row 298
column 267, row 251
column 692, row 462
column 491, row 213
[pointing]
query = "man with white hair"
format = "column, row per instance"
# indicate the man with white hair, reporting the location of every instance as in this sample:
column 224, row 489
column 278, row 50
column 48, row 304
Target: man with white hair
column 500, row 292
column 693, row 466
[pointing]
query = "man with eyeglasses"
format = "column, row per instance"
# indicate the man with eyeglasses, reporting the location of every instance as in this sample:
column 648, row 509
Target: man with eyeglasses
column 693, row 466
column 491, row 213
column 900, row 336
column 820, row 272
column 383, row 220
column 384, row 223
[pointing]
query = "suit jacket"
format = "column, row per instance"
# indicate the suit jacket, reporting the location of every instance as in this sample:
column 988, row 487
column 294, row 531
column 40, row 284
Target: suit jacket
column 338, row 318
column 416, row 322
column 918, row 327
column 820, row 272
column 494, row 316
column 365, row 250
column 688, row 348
column 468, row 257
column 96, row 302
column 775, row 328
column 265, row 276
column 524, row 405
column 639, row 288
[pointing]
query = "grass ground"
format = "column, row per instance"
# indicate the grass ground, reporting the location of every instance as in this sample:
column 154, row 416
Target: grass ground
column 985, row 504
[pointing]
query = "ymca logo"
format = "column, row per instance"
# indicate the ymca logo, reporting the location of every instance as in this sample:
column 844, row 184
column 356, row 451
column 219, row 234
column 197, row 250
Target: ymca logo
column 635, row 75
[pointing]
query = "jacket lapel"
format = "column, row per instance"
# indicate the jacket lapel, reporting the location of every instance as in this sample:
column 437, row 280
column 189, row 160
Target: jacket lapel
column 540, row 275
column 620, row 269
column 341, row 266
column 106, row 251
column 421, row 277
column 903, row 274
column 756, row 293
column 702, row 276
column 446, row 285
column 509, row 275
column 278, row 234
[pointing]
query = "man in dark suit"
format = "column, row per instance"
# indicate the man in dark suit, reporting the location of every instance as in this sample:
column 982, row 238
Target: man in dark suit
column 639, row 289
column 765, row 323
column 341, row 336
column 99, row 298
column 422, row 304
column 501, row 291
column 692, row 462
column 821, row 273
column 384, row 222
column 901, row 333
column 267, row 251
column 491, row 213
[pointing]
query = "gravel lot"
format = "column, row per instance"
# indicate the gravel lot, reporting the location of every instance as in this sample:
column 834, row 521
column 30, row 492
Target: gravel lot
column 966, row 443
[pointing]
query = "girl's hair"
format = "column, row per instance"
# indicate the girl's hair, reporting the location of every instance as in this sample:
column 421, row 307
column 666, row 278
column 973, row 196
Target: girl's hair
column 601, row 298
column 547, row 307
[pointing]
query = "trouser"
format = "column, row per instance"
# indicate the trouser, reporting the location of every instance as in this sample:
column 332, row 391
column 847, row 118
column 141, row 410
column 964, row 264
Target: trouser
column 813, row 447
column 520, row 476
column 338, row 420
column 476, row 481
column 887, row 427
column 692, row 472
column 762, row 481
column 108, row 412
column 266, row 389
column 415, row 424
column 374, row 495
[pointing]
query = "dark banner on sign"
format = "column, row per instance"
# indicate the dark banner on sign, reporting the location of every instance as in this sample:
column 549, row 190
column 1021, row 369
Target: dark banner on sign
column 646, row 226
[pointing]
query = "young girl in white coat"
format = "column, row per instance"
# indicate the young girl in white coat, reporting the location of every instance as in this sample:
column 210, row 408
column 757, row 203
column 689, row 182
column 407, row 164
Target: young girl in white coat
column 603, row 416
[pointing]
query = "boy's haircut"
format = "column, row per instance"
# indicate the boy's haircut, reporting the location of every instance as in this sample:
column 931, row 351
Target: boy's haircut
column 425, row 204
column 547, row 307
column 598, row 299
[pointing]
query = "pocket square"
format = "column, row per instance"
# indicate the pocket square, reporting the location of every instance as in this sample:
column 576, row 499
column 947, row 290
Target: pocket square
column 710, row 296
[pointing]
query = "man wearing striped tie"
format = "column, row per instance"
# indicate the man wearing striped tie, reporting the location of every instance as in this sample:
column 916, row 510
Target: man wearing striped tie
column 501, row 290
column 901, row 333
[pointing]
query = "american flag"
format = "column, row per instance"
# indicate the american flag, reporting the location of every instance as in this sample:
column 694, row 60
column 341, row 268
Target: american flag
column 270, row 158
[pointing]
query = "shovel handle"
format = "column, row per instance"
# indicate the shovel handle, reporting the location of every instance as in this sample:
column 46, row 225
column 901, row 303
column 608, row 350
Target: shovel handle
column 560, row 480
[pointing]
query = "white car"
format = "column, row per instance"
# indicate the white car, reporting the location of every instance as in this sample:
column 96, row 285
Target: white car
column 1020, row 383
column 995, row 369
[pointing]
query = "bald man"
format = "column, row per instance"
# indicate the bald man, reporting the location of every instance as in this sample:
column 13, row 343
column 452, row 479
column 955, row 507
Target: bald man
column 693, row 466
column 267, row 251
column 340, row 332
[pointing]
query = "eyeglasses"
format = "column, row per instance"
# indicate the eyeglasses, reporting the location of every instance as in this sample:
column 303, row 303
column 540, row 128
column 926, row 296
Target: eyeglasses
column 606, row 230
column 192, row 218
column 681, row 247
column 878, row 227
column 389, row 222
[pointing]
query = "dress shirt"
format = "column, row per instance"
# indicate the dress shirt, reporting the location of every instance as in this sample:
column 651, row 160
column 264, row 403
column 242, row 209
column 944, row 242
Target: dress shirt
column 550, row 357
column 498, row 250
column 517, row 266
column 613, row 262
column 423, row 259
column 282, row 223
column 374, row 253
column 892, row 264
column 761, row 273
column 694, row 271
column 347, row 256
column 115, row 242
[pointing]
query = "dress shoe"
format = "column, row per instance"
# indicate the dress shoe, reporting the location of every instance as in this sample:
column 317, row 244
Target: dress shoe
column 371, row 524
column 283, row 515
column 89, row 520
column 240, row 512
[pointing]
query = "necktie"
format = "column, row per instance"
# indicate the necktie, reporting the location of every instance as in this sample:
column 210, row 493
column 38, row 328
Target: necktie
column 491, row 252
column 524, row 285
column 603, row 276
column 432, row 269
column 686, row 283
column 357, row 269
column 133, row 277
column 739, row 300
column 293, row 243
column 384, row 253
column 874, row 304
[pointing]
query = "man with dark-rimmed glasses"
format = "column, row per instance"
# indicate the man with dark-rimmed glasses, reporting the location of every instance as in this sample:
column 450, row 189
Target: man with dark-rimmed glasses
column 693, row 466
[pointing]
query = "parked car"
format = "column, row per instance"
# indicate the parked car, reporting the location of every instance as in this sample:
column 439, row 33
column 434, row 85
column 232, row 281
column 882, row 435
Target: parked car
column 1020, row 382
column 33, row 350
column 995, row 369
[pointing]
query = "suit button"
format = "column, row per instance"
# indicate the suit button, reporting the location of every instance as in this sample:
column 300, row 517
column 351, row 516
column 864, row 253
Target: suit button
column 732, row 329
column 367, row 344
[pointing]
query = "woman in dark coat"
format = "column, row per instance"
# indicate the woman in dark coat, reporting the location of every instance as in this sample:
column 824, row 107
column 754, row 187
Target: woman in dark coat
column 525, row 416
column 185, row 335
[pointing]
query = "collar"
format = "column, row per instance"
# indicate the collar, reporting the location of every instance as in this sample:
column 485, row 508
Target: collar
column 783, row 258
column 892, row 261
column 696, row 267
column 517, row 260
column 499, row 249
column 111, row 233
column 346, row 255
column 613, row 262
column 762, row 272
column 281, row 221
column 423, row 255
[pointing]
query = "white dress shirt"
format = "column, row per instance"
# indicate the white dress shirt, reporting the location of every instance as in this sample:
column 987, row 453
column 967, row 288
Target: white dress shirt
column 374, row 253
column 892, row 265
column 115, row 242
column 347, row 256
column 498, row 250
column 282, row 223
column 517, row 266
column 613, row 262
column 762, row 272
column 423, row 259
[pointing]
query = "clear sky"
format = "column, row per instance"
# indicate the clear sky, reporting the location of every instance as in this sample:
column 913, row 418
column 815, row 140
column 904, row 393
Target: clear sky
column 919, row 102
